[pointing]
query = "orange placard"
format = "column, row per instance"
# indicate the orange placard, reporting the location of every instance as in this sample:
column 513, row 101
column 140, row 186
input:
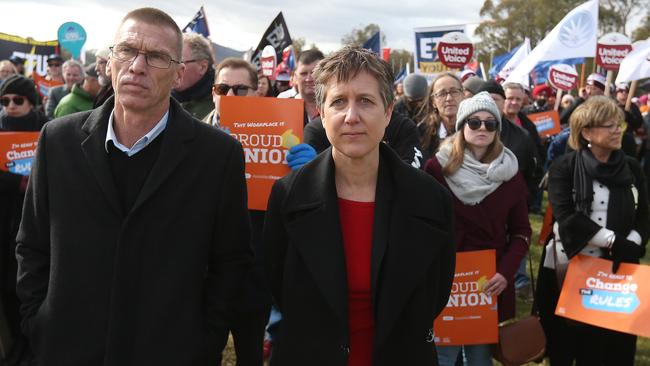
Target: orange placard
column 547, row 225
column 18, row 149
column 594, row 295
column 267, row 128
column 470, row 316
column 43, row 85
column 547, row 123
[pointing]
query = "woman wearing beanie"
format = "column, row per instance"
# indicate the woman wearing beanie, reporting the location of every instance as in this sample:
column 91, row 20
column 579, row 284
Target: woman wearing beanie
column 18, row 97
column 439, row 112
column 490, row 210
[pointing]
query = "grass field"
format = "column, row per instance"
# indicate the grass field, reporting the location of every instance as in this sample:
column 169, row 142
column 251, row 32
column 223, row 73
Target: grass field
column 523, row 307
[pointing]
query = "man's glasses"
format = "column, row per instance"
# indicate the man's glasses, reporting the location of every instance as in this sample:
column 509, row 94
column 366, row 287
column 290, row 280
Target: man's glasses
column 18, row 100
column 239, row 90
column 454, row 92
column 475, row 124
column 158, row 60
column 53, row 64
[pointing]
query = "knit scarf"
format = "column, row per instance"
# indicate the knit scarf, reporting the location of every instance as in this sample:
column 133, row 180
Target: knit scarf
column 199, row 90
column 615, row 174
column 475, row 180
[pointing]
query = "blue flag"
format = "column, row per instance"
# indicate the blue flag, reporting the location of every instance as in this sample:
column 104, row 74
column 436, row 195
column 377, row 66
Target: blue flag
column 198, row 24
column 373, row 44
column 539, row 73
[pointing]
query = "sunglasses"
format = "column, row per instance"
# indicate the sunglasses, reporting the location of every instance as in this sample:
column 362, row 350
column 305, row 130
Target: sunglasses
column 54, row 64
column 18, row 100
column 223, row 89
column 475, row 124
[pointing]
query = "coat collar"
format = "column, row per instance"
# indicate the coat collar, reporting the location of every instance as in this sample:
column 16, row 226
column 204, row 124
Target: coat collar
column 399, row 258
column 179, row 130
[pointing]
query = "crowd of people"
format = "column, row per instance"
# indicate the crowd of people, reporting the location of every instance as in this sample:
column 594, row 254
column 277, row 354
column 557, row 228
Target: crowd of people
column 131, row 241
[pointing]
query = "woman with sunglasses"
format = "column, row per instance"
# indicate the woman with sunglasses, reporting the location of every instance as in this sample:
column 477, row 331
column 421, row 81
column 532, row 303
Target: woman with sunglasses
column 600, row 204
column 18, row 97
column 490, row 210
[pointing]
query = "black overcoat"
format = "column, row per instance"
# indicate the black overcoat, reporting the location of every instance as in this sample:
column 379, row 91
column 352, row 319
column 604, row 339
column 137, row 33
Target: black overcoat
column 100, row 287
column 412, row 264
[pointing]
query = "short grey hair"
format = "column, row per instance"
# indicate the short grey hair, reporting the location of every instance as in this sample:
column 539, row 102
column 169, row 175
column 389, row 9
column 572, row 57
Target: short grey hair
column 73, row 63
column 513, row 86
column 200, row 46
column 347, row 63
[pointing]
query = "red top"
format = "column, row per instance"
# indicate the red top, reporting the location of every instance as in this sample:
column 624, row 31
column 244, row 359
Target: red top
column 356, row 226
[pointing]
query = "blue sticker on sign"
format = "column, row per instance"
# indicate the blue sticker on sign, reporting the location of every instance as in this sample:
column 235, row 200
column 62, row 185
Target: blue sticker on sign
column 613, row 302
column 20, row 166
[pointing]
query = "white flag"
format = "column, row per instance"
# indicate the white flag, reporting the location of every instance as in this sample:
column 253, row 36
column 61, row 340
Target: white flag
column 636, row 65
column 514, row 61
column 574, row 36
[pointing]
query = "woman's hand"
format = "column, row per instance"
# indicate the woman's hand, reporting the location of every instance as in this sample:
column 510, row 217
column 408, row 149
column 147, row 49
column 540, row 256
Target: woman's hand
column 495, row 285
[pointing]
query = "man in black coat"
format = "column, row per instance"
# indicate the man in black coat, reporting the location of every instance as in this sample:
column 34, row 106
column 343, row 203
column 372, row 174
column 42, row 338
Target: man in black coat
column 135, row 232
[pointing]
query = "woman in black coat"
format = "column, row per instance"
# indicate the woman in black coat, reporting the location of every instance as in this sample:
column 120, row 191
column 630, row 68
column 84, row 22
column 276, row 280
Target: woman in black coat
column 18, row 98
column 358, row 245
column 600, row 204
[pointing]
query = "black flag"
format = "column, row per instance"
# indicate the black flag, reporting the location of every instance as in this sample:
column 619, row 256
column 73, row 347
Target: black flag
column 276, row 35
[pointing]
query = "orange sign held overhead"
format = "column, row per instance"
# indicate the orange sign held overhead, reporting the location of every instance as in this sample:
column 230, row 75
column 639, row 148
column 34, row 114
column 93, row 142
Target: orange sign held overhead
column 470, row 316
column 547, row 123
column 267, row 128
column 17, row 150
column 594, row 295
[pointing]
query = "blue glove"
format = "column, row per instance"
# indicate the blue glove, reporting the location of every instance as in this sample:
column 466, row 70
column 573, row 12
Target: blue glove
column 300, row 155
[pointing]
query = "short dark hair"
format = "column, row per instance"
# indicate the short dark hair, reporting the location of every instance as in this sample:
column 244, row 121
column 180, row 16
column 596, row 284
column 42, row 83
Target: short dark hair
column 308, row 57
column 347, row 63
column 157, row 17
column 238, row 63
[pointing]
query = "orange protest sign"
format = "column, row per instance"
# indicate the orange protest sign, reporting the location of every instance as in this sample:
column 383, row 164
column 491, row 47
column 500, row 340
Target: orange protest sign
column 547, row 123
column 594, row 295
column 470, row 316
column 43, row 85
column 547, row 225
column 17, row 150
column 267, row 128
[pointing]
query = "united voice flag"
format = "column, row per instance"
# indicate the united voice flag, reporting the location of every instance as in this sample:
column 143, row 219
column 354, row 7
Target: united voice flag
column 636, row 65
column 373, row 44
column 276, row 35
column 198, row 24
column 574, row 36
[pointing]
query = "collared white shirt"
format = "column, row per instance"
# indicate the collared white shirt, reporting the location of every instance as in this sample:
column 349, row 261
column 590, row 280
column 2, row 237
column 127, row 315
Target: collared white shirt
column 290, row 93
column 142, row 142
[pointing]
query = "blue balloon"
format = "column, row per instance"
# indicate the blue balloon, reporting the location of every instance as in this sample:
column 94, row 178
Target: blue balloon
column 72, row 37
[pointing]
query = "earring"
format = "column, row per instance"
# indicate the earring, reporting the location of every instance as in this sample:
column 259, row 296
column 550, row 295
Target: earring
column 589, row 144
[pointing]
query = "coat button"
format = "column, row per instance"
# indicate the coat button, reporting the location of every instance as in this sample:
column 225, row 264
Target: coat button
column 345, row 349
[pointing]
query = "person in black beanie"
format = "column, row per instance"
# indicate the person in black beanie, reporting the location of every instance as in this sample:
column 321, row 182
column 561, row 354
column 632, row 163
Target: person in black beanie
column 18, row 98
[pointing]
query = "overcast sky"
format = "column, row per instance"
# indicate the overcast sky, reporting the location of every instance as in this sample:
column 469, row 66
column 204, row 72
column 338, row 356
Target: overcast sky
column 240, row 24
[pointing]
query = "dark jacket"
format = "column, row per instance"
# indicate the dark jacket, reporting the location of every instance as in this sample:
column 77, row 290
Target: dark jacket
column 412, row 264
column 498, row 222
column 519, row 142
column 147, row 287
column 401, row 135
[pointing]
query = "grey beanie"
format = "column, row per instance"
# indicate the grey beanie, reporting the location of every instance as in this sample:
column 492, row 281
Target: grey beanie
column 415, row 86
column 473, row 84
column 480, row 102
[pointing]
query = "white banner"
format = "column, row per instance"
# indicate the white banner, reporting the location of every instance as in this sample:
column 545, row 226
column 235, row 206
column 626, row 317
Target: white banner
column 574, row 36
column 514, row 61
column 636, row 65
